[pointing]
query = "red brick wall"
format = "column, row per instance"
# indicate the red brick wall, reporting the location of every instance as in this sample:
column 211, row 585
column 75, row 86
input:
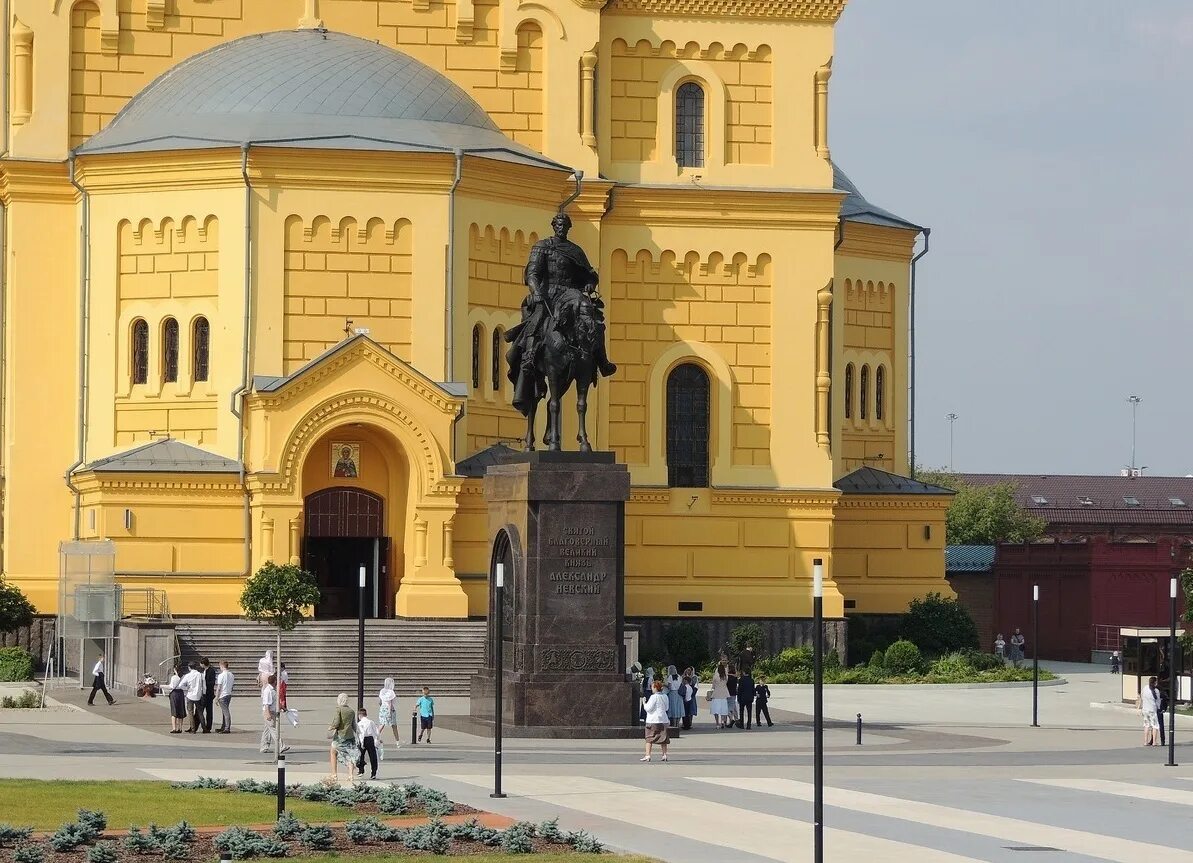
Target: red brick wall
column 975, row 591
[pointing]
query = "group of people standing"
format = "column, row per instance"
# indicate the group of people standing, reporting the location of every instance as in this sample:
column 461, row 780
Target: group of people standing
column 1017, row 644
column 737, row 700
column 194, row 690
column 355, row 737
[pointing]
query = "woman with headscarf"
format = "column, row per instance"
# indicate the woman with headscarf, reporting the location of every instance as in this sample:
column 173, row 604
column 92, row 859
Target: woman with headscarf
column 387, row 714
column 342, row 734
column 264, row 668
column 674, row 685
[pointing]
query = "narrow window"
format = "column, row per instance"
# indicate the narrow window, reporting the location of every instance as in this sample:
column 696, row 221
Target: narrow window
column 201, row 346
column 170, row 351
column 476, row 357
column 865, row 393
column 139, row 359
column 496, row 361
column 880, row 393
column 687, row 427
column 689, row 125
column 849, row 391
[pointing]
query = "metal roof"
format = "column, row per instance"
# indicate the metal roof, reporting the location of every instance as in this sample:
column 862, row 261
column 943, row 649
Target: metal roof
column 969, row 558
column 1091, row 499
column 477, row 463
column 306, row 88
column 165, row 456
column 871, row 480
column 855, row 207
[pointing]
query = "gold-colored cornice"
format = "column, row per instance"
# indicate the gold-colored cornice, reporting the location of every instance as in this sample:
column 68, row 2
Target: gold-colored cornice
column 43, row 182
column 821, row 11
column 696, row 206
column 859, row 240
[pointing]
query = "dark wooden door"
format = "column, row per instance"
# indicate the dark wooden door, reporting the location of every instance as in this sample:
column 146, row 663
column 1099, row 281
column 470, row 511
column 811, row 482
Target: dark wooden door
column 344, row 513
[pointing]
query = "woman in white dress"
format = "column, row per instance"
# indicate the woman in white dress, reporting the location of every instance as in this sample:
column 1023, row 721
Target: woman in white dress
column 720, row 695
column 387, row 714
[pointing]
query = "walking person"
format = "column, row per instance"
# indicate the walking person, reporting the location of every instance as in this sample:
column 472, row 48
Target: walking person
column 719, row 703
column 761, row 697
column 177, row 701
column 269, row 714
column 97, row 682
column 1115, row 662
column 192, row 682
column 342, row 733
column 731, row 680
column 387, row 714
column 264, row 668
column 223, row 684
column 283, row 683
column 1017, row 645
column 1149, row 704
column 1160, row 696
column 424, row 709
column 674, row 697
column 1000, row 648
column 209, row 678
column 367, row 735
column 657, row 720
column 745, row 700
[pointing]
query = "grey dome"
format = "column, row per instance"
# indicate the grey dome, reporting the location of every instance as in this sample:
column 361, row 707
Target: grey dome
column 305, row 88
column 855, row 207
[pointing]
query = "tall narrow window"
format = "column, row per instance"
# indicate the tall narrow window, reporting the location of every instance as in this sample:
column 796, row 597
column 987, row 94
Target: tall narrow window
column 170, row 351
column 496, row 360
column 139, row 357
column 476, row 357
column 201, row 349
column 849, row 391
column 687, row 427
column 864, row 411
column 880, row 393
column 689, row 125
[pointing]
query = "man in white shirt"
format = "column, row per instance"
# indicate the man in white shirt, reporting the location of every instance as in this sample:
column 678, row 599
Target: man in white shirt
column 367, row 733
column 269, row 714
column 97, row 683
column 194, row 686
column 223, row 692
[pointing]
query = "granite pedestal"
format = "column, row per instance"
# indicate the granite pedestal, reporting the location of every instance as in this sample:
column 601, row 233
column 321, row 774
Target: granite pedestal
column 558, row 523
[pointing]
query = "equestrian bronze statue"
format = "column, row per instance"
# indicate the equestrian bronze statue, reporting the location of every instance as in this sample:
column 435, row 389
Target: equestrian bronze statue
column 561, row 339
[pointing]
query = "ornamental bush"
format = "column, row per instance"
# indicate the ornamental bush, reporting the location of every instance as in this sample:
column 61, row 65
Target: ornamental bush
column 243, row 844
column 28, row 854
column 70, row 836
column 316, row 837
column 15, row 609
column 173, row 848
column 938, row 625
column 687, row 645
column 287, row 826
column 434, row 836
column 584, row 843
column 96, row 821
column 137, row 842
column 518, row 838
column 877, row 660
column 550, row 832
column 362, row 830
column 104, row 852
column 902, row 657
column 743, row 634
column 16, row 664
column 12, row 835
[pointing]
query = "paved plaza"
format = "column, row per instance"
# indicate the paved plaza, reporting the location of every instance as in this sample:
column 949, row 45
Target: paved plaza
column 944, row 774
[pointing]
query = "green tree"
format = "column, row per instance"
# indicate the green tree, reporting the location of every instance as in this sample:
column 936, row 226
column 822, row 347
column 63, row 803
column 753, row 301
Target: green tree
column 15, row 608
column 938, row 625
column 1187, row 587
column 984, row 514
column 279, row 594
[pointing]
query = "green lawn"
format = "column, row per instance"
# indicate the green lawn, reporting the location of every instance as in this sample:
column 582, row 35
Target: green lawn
column 45, row 805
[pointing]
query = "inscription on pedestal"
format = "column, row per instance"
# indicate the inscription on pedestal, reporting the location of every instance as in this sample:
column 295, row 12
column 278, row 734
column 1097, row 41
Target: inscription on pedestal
column 581, row 549
column 565, row 658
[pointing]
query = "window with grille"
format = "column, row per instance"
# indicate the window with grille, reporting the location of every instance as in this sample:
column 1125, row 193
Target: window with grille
column 139, row 358
column 687, row 427
column 201, row 347
column 170, row 351
column 849, row 391
column 880, row 393
column 689, row 125
column 864, row 412
column 476, row 357
column 498, row 334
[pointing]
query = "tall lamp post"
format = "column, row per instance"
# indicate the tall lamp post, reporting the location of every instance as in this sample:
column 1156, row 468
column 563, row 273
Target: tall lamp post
column 952, row 418
column 1134, row 400
column 499, row 649
column 1035, row 656
column 360, row 646
column 1172, row 673
column 818, row 709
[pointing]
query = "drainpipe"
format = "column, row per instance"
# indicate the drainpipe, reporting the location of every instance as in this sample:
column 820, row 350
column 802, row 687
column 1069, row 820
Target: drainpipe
column 238, row 397
column 579, row 175
column 450, row 324
column 911, row 352
column 84, row 340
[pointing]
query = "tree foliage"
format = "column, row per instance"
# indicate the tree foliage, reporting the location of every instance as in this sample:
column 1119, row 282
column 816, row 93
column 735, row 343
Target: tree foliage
column 1186, row 581
column 15, row 608
column 278, row 594
column 984, row 514
column 687, row 645
column 938, row 625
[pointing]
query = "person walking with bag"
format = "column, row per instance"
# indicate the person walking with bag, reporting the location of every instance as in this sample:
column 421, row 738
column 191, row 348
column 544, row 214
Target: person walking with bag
column 342, row 734
column 657, row 720
column 387, row 713
column 97, row 682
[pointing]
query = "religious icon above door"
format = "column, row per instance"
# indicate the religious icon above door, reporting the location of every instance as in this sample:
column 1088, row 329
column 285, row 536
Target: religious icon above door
column 345, row 460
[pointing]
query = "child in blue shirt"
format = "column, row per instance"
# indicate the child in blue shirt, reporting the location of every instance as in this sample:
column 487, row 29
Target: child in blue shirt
column 425, row 710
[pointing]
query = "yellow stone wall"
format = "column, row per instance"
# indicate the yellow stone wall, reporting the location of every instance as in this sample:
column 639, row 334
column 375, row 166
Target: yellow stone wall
column 341, row 271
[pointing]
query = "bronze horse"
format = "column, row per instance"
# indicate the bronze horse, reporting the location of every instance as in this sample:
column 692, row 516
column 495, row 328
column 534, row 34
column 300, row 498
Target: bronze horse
column 567, row 355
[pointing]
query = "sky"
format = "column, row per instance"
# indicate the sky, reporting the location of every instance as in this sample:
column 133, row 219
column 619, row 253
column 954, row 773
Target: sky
column 1048, row 144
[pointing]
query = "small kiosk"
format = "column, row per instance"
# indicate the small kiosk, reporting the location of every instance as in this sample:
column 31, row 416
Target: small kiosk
column 1145, row 655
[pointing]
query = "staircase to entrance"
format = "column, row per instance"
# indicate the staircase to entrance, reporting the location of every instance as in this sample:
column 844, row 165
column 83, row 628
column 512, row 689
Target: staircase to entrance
column 321, row 655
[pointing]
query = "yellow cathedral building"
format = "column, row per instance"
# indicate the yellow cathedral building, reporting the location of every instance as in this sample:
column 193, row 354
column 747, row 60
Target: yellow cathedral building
column 259, row 257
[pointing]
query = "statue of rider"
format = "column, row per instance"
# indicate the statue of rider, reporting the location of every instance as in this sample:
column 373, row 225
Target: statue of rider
column 556, row 266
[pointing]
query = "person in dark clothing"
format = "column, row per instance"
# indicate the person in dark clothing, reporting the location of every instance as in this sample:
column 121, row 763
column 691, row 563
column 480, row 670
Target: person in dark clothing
column 98, row 684
column 209, row 676
column 688, row 693
column 1161, row 696
column 746, row 660
column 732, row 682
column 745, row 700
column 761, row 696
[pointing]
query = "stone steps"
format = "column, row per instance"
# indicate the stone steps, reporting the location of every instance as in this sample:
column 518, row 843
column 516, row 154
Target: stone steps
column 321, row 656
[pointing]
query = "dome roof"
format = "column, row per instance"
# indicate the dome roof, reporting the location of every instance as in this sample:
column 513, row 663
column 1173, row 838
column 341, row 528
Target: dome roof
column 305, row 88
column 855, row 207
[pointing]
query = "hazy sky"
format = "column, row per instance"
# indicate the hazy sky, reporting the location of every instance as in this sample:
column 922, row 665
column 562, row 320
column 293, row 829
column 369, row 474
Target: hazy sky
column 1049, row 146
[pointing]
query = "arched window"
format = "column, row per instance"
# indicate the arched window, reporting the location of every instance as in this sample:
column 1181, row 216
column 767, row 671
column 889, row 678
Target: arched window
column 201, row 349
column 496, row 360
column 139, row 355
column 689, row 125
column 849, row 391
column 864, row 407
column 880, row 393
column 170, row 351
column 687, row 426
column 476, row 357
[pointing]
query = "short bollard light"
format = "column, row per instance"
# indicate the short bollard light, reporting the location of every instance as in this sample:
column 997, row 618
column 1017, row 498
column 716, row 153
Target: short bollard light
column 859, row 729
column 414, row 730
column 281, row 785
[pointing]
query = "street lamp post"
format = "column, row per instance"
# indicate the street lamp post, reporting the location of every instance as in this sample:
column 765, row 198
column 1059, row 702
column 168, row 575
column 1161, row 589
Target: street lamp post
column 1172, row 673
column 818, row 708
column 952, row 418
column 1035, row 656
column 1134, row 400
column 499, row 650
column 360, row 646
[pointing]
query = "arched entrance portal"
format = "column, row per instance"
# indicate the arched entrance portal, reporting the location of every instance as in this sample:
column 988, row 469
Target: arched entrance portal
column 345, row 533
